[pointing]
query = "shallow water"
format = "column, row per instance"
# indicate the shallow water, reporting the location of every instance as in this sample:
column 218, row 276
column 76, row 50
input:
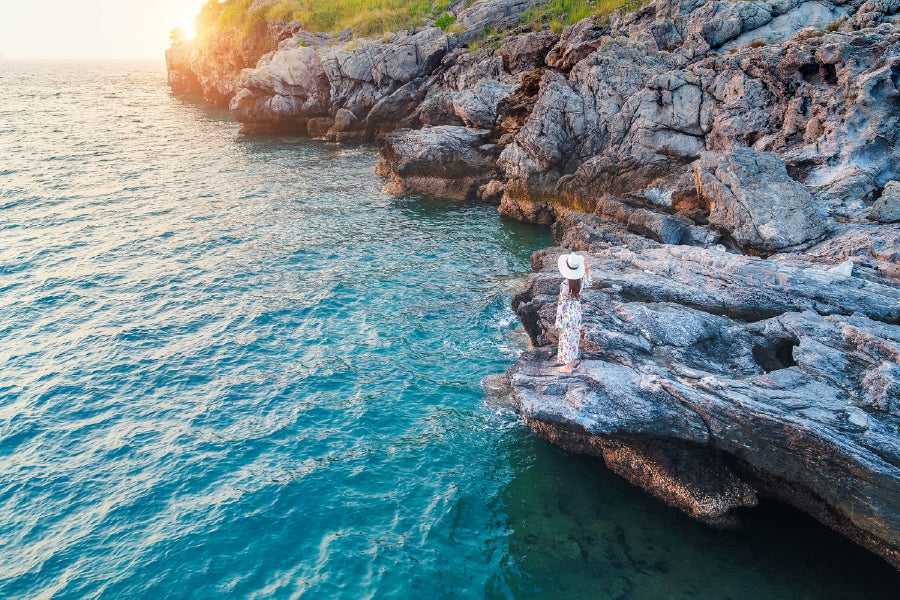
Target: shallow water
column 234, row 368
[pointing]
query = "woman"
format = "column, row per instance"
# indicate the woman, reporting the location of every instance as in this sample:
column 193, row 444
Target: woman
column 568, row 311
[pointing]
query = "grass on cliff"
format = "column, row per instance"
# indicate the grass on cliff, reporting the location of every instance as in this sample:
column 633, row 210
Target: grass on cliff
column 559, row 13
column 364, row 17
column 243, row 20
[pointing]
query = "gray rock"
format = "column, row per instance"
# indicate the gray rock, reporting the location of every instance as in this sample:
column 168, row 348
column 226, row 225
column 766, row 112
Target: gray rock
column 346, row 129
column 527, row 51
column 784, row 26
column 361, row 75
column 286, row 89
column 788, row 370
column 874, row 249
column 344, row 120
column 660, row 227
column 887, row 208
column 751, row 197
column 872, row 13
column 491, row 14
column 299, row 81
column 475, row 107
column 389, row 112
column 720, row 22
column 491, row 192
column 823, row 102
column 586, row 233
column 653, row 94
column 575, row 44
column 179, row 75
column 317, row 127
column 442, row 161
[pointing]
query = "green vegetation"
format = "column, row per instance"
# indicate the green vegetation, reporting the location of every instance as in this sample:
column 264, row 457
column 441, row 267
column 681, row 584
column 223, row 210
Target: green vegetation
column 365, row 17
column 234, row 20
column 559, row 13
column 445, row 21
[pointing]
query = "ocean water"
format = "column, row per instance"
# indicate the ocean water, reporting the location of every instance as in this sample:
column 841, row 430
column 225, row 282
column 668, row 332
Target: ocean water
column 233, row 368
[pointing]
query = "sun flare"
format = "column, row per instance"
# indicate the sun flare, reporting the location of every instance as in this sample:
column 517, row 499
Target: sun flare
column 186, row 24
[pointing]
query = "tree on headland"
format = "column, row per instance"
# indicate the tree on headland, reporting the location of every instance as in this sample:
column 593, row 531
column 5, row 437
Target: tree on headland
column 177, row 35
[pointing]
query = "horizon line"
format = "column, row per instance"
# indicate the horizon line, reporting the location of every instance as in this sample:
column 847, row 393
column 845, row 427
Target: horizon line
column 76, row 58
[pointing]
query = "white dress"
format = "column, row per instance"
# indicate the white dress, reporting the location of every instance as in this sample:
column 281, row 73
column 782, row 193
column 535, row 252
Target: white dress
column 568, row 321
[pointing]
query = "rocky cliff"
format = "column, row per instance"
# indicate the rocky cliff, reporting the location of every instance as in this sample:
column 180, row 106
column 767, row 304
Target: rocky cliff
column 728, row 167
column 710, row 378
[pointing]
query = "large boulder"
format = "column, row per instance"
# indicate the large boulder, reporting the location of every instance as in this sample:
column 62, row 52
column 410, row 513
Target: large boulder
column 442, row 161
column 751, row 197
column 887, row 208
column 476, row 107
column 286, row 89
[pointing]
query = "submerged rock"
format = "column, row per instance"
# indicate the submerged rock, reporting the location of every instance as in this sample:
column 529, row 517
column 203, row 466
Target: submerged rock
column 709, row 378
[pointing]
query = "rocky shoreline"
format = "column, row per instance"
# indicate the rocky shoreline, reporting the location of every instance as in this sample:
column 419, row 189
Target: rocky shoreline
column 728, row 168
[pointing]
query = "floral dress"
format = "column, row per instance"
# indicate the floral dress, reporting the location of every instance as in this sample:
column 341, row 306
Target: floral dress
column 568, row 320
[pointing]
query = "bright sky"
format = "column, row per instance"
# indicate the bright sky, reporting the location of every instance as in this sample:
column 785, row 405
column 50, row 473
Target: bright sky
column 91, row 28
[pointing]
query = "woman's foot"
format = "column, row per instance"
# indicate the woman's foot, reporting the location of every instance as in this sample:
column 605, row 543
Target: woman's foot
column 566, row 368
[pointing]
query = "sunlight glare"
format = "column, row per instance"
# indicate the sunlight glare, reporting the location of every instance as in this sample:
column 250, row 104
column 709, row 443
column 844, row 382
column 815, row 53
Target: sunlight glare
column 186, row 23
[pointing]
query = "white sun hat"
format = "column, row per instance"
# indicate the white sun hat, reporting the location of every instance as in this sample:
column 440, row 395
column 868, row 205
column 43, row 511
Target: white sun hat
column 571, row 266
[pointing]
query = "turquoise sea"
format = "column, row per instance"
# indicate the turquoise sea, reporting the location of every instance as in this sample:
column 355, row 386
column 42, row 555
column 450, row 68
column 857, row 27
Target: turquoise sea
column 233, row 368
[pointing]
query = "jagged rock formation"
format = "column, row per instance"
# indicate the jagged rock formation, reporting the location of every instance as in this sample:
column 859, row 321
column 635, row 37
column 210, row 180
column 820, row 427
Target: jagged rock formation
column 213, row 68
column 750, row 195
column 629, row 118
column 711, row 377
column 729, row 166
column 636, row 108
